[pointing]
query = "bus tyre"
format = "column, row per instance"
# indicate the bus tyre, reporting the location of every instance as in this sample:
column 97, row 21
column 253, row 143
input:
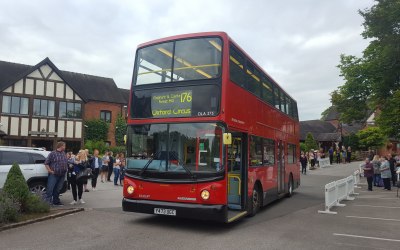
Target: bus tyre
column 290, row 187
column 255, row 202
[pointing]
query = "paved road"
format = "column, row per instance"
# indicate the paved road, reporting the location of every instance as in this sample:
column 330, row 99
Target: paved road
column 286, row 224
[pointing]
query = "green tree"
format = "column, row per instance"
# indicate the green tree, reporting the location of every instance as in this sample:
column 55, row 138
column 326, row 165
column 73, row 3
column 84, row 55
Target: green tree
column 310, row 143
column 120, row 130
column 389, row 119
column 371, row 137
column 96, row 130
column 16, row 187
column 351, row 141
column 373, row 79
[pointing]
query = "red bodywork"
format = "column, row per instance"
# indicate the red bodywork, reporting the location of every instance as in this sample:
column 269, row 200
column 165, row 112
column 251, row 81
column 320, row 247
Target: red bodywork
column 241, row 111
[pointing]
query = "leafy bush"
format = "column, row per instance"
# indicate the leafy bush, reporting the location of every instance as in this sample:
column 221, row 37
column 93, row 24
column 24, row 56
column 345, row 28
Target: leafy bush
column 91, row 145
column 120, row 130
column 35, row 204
column 118, row 149
column 16, row 187
column 8, row 209
column 96, row 130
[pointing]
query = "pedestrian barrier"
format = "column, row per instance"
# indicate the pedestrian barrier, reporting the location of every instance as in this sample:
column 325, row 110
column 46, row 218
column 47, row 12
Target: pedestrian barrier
column 324, row 162
column 350, row 188
column 340, row 190
column 356, row 176
column 330, row 198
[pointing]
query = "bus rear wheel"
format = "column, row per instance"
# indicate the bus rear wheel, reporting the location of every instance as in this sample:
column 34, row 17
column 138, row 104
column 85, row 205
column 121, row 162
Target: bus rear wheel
column 255, row 202
column 290, row 186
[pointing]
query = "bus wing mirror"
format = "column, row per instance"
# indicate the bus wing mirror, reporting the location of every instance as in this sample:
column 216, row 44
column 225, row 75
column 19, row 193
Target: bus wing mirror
column 227, row 139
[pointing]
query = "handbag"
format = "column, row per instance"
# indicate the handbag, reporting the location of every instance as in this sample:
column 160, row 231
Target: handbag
column 85, row 173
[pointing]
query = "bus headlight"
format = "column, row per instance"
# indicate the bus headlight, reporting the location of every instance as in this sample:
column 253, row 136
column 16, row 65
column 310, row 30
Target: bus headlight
column 205, row 195
column 130, row 189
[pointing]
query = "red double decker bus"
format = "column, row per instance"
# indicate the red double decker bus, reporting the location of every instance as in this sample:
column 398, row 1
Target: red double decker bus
column 210, row 134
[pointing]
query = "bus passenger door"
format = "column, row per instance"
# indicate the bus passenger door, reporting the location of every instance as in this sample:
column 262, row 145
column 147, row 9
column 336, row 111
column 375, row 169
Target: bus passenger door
column 237, row 171
column 281, row 167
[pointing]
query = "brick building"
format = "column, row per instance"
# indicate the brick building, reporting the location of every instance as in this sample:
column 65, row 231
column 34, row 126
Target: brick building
column 41, row 104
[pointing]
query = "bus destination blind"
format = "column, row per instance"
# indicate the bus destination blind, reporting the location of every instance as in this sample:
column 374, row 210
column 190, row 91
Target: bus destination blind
column 172, row 104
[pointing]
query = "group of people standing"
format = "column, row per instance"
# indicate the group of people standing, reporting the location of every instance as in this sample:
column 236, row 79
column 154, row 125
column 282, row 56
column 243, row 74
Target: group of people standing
column 313, row 157
column 60, row 164
column 381, row 171
column 341, row 154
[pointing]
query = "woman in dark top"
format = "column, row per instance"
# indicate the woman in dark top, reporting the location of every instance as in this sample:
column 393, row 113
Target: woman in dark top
column 349, row 154
column 303, row 161
column 77, row 184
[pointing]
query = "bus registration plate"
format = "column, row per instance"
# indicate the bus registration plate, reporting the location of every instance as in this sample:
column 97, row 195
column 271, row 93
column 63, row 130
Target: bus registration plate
column 164, row 211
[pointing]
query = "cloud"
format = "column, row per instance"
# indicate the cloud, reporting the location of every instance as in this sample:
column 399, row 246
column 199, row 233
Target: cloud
column 297, row 42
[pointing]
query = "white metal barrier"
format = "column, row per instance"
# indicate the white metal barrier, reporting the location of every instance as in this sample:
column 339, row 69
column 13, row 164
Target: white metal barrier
column 356, row 176
column 340, row 190
column 350, row 188
column 330, row 198
column 324, row 162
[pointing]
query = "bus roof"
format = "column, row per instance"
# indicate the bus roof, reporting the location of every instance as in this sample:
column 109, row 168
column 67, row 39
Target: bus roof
column 177, row 37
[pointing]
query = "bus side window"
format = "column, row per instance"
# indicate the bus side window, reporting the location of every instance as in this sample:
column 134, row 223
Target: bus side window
column 236, row 67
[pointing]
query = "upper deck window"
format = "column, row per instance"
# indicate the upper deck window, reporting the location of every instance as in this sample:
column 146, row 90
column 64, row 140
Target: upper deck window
column 183, row 60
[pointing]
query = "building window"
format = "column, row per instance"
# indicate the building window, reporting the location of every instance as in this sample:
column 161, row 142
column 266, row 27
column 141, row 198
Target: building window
column 105, row 115
column 15, row 105
column 70, row 110
column 43, row 107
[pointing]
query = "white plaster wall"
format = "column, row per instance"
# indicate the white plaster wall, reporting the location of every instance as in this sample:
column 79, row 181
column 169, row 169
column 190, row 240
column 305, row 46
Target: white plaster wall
column 8, row 90
column 14, row 126
column 77, row 97
column 69, row 94
column 29, row 84
column 24, row 126
column 54, row 76
column 61, row 129
column 39, row 87
column 70, row 129
column 43, row 124
column 19, row 87
column 45, row 70
column 78, row 130
column 4, row 122
column 50, row 89
column 60, row 90
column 36, row 74
column 34, row 125
column 52, row 126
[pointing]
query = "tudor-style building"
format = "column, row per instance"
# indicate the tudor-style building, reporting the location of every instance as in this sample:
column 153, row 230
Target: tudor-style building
column 41, row 104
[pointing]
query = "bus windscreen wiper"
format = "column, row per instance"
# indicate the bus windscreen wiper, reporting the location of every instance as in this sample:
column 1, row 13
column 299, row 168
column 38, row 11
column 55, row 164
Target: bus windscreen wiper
column 174, row 155
column 147, row 164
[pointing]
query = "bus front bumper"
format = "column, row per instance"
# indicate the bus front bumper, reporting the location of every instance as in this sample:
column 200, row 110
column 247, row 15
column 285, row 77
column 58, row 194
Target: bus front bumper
column 183, row 210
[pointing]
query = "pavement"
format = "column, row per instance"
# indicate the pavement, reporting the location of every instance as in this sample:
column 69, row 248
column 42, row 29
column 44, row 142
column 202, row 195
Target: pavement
column 371, row 221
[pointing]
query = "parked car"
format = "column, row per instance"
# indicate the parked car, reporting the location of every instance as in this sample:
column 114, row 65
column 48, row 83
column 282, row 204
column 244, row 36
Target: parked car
column 31, row 162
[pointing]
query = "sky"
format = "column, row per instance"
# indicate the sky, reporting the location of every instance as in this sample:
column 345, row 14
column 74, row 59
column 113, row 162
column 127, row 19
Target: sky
column 297, row 42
